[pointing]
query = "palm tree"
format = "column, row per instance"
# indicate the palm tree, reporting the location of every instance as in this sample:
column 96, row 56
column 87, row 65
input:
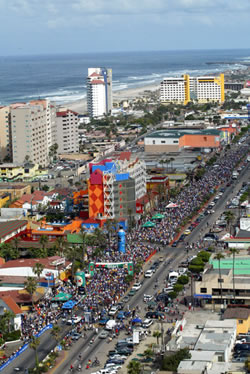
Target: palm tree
column 229, row 219
column 38, row 269
column 30, row 286
column 219, row 257
column 148, row 353
column 83, row 235
column 134, row 367
column 157, row 335
column 34, row 344
column 171, row 161
column 233, row 251
column 44, row 241
column 55, row 332
column 60, row 245
column 16, row 240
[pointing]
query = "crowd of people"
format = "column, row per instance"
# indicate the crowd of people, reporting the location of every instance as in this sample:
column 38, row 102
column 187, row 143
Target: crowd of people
column 107, row 286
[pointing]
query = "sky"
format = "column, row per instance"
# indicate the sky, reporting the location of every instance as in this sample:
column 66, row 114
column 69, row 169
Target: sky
column 80, row 26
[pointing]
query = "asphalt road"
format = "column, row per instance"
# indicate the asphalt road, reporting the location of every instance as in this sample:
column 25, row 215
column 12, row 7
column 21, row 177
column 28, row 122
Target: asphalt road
column 99, row 347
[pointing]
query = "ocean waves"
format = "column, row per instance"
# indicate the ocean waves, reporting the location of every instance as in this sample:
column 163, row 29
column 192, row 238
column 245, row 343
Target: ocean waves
column 67, row 82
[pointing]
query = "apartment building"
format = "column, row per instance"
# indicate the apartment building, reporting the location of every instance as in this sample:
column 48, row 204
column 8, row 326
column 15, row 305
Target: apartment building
column 99, row 91
column 29, row 133
column 137, row 171
column 184, row 89
column 5, row 131
column 67, row 133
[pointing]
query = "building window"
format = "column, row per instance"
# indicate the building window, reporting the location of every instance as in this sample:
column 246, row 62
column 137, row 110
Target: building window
column 153, row 142
column 240, row 321
column 175, row 142
column 203, row 290
column 163, row 142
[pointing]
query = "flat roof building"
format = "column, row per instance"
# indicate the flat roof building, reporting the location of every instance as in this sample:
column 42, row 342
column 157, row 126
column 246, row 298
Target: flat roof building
column 176, row 140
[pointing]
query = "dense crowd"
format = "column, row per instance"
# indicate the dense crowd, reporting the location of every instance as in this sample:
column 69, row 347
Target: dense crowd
column 108, row 285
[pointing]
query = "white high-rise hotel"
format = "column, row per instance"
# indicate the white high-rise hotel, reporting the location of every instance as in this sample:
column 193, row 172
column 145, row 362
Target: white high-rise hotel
column 184, row 89
column 99, row 91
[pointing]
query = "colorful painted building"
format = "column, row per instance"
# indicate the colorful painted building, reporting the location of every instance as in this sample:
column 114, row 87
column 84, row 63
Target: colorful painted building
column 111, row 191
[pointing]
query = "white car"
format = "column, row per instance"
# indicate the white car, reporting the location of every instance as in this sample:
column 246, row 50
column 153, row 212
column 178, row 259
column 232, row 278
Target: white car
column 113, row 310
column 147, row 323
column 148, row 274
column 136, row 286
column 147, row 298
column 74, row 320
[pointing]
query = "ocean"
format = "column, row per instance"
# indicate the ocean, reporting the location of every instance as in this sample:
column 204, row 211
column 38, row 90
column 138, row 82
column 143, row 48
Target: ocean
column 62, row 78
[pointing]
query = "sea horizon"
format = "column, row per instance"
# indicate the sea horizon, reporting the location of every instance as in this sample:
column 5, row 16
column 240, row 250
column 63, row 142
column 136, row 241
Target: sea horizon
column 61, row 78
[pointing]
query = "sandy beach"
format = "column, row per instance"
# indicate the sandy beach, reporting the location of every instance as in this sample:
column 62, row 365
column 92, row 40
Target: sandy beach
column 80, row 106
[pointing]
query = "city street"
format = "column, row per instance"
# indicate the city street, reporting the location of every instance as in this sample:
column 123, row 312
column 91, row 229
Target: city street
column 170, row 254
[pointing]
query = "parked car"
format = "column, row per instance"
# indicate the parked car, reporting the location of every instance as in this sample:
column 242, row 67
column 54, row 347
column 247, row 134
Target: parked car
column 148, row 274
column 154, row 315
column 136, row 286
column 147, row 298
column 113, row 310
column 147, row 323
column 104, row 334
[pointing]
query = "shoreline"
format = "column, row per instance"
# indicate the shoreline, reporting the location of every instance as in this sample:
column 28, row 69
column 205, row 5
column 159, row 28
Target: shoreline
column 80, row 106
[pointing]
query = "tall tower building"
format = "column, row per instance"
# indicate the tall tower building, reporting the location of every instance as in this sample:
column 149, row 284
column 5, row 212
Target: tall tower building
column 29, row 127
column 5, row 134
column 99, row 91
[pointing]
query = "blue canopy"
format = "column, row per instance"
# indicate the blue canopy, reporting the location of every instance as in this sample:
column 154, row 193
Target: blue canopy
column 136, row 320
column 69, row 304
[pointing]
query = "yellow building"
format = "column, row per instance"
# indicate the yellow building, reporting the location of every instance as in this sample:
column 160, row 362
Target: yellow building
column 14, row 172
column 242, row 315
column 184, row 89
column 4, row 198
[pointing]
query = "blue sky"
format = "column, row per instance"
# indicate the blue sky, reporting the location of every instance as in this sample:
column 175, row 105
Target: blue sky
column 65, row 26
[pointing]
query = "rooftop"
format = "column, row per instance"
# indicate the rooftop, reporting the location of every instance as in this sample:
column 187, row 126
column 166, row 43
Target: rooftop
column 238, row 313
column 181, row 132
column 8, row 227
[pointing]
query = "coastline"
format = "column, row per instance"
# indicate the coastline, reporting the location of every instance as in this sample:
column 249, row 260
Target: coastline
column 80, row 106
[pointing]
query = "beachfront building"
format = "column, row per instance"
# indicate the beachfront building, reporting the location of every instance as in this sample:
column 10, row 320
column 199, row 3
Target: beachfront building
column 67, row 135
column 184, row 89
column 99, row 92
column 32, row 131
column 178, row 140
column 5, row 131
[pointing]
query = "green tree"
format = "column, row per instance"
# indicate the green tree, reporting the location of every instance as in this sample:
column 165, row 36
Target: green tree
column 61, row 244
column 34, row 344
column 134, row 367
column 171, row 363
column 6, row 321
column 233, row 252
column 30, row 286
column 16, row 240
column 157, row 335
column 44, row 241
column 38, row 269
column 229, row 218
column 55, row 332
column 148, row 353
column 8, row 252
column 219, row 257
